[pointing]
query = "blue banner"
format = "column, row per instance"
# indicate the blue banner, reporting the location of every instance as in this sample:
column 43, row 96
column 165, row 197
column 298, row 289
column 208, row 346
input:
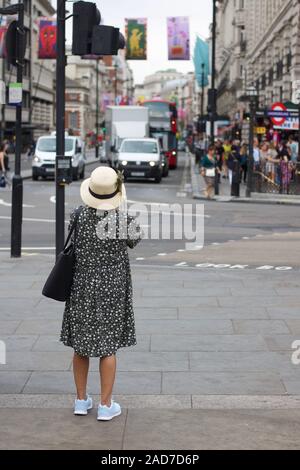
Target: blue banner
column 201, row 56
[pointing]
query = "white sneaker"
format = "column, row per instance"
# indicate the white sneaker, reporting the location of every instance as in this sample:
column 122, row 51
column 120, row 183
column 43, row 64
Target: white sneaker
column 81, row 407
column 106, row 413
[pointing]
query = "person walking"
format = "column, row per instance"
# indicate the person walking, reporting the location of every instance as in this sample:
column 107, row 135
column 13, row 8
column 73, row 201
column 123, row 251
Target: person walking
column 208, row 171
column 98, row 317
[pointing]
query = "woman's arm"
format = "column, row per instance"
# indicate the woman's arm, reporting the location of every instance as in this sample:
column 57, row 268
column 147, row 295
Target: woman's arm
column 134, row 232
column 2, row 166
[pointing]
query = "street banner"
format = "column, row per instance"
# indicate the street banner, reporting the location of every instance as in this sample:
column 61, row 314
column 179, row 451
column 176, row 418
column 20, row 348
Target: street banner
column 178, row 38
column 136, row 38
column 201, row 62
column 3, row 30
column 47, row 38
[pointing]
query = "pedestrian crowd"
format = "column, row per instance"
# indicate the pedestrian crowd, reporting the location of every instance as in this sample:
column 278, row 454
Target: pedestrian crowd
column 275, row 165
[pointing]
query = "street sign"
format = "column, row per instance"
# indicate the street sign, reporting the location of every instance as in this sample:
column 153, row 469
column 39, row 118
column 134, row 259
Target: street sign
column 260, row 130
column 278, row 114
column 15, row 93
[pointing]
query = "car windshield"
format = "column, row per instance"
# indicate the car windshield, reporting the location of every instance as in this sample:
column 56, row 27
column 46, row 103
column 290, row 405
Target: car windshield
column 139, row 146
column 49, row 145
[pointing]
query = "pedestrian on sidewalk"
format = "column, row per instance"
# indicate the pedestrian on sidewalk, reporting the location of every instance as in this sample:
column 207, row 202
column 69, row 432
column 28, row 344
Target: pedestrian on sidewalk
column 98, row 317
column 208, row 171
column 244, row 162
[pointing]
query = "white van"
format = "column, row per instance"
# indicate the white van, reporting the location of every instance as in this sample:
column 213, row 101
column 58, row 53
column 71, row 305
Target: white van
column 43, row 163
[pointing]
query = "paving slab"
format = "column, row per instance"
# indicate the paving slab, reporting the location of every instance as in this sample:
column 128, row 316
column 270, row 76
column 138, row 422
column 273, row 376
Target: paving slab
column 250, row 361
column 219, row 313
column 12, row 381
column 229, row 383
column 294, row 326
column 253, row 327
column 58, row 429
column 37, row 360
column 181, row 327
column 127, row 383
column 19, row 342
column 211, row 430
column 221, row 343
column 153, row 361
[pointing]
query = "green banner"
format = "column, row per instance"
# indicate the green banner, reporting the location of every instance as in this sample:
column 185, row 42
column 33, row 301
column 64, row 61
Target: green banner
column 136, row 39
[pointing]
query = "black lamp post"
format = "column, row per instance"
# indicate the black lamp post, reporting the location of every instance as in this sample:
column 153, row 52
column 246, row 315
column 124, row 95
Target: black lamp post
column 212, row 95
column 97, row 110
column 252, row 95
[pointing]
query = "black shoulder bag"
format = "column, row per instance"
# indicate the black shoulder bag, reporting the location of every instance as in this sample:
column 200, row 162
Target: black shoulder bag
column 59, row 283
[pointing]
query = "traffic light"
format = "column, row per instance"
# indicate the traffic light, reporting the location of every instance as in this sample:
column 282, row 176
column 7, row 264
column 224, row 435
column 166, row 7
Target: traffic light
column 89, row 37
column 107, row 40
column 14, row 39
column 85, row 17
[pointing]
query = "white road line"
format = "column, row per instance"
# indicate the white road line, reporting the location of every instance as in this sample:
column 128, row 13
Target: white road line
column 139, row 259
column 8, row 204
column 27, row 219
column 31, row 248
column 162, row 254
column 184, row 263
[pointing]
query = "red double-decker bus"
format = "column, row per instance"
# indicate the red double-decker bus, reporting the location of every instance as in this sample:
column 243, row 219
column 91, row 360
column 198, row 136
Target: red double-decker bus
column 163, row 126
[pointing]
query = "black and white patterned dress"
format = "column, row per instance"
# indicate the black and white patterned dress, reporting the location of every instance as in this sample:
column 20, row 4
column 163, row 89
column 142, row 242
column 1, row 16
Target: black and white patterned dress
column 98, row 317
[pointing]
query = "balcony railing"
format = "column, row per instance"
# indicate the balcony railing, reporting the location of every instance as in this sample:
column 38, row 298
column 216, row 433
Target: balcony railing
column 278, row 178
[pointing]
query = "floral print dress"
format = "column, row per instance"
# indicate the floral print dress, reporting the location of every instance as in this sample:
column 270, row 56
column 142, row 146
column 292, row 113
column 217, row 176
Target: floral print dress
column 98, row 317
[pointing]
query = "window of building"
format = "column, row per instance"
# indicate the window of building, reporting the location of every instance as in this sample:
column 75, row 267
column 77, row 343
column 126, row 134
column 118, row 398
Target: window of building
column 279, row 70
column 271, row 76
column 73, row 119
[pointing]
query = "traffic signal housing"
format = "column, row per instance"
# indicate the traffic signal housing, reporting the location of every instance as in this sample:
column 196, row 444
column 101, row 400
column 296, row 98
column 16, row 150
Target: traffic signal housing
column 89, row 37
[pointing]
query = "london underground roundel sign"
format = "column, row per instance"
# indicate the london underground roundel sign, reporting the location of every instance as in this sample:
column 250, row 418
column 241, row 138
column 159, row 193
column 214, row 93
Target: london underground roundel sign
column 278, row 114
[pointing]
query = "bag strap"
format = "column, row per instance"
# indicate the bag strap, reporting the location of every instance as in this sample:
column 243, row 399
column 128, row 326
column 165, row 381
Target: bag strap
column 74, row 226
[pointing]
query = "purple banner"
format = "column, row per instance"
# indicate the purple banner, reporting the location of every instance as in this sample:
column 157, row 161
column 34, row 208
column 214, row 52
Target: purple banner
column 178, row 38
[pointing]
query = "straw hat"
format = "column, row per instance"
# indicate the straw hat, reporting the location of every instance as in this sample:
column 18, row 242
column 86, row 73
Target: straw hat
column 104, row 190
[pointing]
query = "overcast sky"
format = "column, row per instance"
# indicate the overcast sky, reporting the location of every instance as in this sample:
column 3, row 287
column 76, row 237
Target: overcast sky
column 199, row 11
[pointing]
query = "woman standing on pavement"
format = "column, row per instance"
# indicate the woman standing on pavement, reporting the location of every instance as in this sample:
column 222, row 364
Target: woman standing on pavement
column 208, row 171
column 98, row 317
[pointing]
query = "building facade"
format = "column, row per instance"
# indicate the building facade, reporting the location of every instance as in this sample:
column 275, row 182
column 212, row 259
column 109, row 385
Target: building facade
column 273, row 48
column 43, row 71
column 231, row 56
column 156, row 82
column 257, row 45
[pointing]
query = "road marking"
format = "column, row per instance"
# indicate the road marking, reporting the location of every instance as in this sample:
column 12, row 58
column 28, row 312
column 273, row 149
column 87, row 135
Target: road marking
column 53, row 200
column 140, row 259
column 162, row 254
column 181, row 251
column 8, row 204
column 184, row 263
column 31, row 248
column 27, row 219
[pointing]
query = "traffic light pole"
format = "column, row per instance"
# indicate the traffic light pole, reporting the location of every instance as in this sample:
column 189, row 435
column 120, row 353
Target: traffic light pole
column 60, row 121
column 213, row 95
column 17, row 181
column 97, row 109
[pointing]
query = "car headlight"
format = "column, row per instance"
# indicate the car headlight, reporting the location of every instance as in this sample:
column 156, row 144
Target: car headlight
column 152, row 163
column 174, row 153
column 36, row 159
column 124, row 162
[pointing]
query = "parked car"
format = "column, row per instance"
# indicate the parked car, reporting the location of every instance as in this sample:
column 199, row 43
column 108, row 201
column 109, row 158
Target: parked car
column 141, row 158
column 43, row 162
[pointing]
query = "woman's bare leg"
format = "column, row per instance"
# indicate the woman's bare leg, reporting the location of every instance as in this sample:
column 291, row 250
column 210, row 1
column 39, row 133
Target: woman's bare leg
column 107, row 368
column 80, row 371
